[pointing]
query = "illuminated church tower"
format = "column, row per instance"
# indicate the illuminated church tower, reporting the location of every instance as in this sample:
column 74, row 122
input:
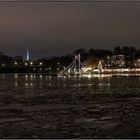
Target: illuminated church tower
column 27, row 55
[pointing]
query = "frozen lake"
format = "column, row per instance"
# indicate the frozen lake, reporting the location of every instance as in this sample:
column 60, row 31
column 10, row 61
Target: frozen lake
column 41, row 106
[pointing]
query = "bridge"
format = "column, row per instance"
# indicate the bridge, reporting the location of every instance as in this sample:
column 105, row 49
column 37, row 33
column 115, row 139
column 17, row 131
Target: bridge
column 76, row 67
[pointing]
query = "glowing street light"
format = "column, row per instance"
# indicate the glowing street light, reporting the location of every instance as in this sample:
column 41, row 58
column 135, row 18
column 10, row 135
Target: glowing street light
column 31, row 63
column 3, row 65
column 26, row 64
column 40, row 63
column 16, row 63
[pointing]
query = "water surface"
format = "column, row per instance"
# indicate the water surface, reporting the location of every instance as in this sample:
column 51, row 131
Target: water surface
column 42, row 106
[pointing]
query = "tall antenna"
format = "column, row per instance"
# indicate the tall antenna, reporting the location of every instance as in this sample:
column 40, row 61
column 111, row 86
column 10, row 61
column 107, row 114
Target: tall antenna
column 27, row 55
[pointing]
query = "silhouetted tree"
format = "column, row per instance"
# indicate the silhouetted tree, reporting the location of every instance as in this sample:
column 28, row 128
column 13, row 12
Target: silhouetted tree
column 117, row 50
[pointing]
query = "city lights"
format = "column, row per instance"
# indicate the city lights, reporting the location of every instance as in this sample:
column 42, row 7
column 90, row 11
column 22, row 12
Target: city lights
column 40, row 63
column 31, row 63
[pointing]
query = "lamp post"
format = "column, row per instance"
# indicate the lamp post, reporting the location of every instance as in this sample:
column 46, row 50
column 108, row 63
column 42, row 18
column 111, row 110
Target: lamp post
column 26, row 64
column 108, row 61
column 31, row 63
column 16, row 63
column 40, row 63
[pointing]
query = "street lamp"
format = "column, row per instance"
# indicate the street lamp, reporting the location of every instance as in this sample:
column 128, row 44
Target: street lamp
column 16, row 63
column 40, row 63
column 31, row 63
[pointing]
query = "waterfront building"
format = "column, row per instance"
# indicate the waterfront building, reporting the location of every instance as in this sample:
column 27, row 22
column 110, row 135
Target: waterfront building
column 137, row 63
column 117, row 61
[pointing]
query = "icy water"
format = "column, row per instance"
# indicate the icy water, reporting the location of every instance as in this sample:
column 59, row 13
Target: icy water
column 41, row 106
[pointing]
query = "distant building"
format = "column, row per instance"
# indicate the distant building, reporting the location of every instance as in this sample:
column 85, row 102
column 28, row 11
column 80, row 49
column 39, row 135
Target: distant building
column 117, row 61
column 137, row 63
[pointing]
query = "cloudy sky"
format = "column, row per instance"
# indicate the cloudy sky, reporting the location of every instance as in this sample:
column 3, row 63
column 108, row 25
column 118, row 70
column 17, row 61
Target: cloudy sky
column 58, row 28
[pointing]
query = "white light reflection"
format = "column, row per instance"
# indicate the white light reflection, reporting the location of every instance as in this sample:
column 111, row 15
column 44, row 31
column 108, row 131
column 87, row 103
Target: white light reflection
column 40, row 77
column 65, row 77
column 34, row 76
column 16, row 84
column 79, row 85
column 31, row 77
column 50, row 84
column 50, row 77
column 69, row 76
column 96, row 75
column 89, row 75
column 15, row 76
column 26, row 77
column 28, row 85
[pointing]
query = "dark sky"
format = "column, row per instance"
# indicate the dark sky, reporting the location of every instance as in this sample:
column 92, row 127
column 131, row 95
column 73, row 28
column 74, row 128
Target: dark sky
column 58, row 28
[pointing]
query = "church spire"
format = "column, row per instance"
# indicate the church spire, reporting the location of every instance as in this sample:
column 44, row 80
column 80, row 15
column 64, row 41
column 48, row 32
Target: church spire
column 27, row 55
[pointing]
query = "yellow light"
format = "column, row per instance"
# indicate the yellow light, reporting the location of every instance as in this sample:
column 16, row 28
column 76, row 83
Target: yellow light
column 31, row 63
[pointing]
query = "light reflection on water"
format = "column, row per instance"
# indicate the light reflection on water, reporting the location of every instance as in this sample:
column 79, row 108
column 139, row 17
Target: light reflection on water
column 89, row 102
column 42, row 81
column 32, row 80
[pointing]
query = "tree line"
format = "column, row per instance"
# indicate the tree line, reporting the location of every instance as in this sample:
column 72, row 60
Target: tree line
column 55, row 63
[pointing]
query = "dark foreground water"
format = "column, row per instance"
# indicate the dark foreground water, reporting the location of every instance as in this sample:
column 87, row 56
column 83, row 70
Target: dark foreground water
column 41, row 106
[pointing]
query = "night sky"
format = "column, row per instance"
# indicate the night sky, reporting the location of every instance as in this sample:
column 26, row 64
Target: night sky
column 53, row 28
